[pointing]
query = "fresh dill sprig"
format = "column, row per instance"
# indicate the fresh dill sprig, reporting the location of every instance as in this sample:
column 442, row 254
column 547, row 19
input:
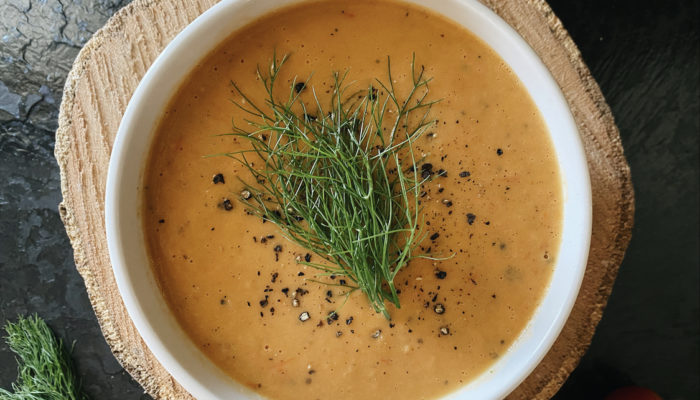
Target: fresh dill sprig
column 341, row 181
column 45, row 371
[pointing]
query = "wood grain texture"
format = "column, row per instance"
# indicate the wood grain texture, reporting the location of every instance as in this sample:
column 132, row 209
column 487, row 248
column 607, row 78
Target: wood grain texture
column 109, row 68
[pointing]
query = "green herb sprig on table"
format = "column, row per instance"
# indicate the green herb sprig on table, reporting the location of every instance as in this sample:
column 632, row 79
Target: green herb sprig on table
column 341, row 181
column 45, row 370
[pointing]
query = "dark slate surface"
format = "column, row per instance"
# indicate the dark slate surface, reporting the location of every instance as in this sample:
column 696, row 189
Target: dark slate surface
column 645, row 56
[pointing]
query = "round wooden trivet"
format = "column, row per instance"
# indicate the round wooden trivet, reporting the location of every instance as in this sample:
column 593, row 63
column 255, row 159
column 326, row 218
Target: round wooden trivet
column 108, row 69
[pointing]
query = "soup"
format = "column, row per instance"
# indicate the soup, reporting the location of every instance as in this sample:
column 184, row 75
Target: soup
column 493, row 209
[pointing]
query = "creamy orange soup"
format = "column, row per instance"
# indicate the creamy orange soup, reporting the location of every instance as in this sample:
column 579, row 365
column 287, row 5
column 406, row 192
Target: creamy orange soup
column 234, row 283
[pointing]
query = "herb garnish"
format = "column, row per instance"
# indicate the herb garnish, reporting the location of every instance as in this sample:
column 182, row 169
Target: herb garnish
column 45, row 370
column 340, row 182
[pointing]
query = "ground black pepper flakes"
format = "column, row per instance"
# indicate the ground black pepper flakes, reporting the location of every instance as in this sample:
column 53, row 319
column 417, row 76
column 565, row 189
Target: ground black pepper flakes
column 300, row 274
column 434, row 236
column 447, row 202
column 218, row 178
column 440, row 274
column 278, row 248
column 329, row 293
column 464, row 174
column 274, row 277
column 372, row 95
column 499, row 152
column 307, row 257
column 227, row 205
column 299, row 87
column 263, row 302
column 285, row 291
column 161, row 221
column 332, row 317
column 471, row 218
column 442, row 173
column 344, row 282
column 439, row 308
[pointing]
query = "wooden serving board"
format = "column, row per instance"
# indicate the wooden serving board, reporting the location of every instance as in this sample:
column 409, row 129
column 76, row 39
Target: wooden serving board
column 109, row 68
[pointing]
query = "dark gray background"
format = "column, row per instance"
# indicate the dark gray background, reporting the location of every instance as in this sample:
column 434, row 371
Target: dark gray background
column 645, row 57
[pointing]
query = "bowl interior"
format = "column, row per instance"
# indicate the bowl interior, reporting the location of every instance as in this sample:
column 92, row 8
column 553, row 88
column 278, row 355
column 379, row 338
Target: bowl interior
column 126, row 243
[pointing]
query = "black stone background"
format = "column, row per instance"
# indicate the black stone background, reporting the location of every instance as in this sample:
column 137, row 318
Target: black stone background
column 645, row 56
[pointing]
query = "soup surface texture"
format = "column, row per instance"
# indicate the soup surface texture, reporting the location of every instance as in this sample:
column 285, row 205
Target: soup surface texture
column 234, row 283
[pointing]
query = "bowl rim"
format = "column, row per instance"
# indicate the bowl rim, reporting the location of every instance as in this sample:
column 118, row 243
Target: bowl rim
column 131, row 132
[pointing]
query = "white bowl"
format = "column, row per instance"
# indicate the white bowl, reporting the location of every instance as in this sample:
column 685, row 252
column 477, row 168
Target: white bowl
column 127, row 249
